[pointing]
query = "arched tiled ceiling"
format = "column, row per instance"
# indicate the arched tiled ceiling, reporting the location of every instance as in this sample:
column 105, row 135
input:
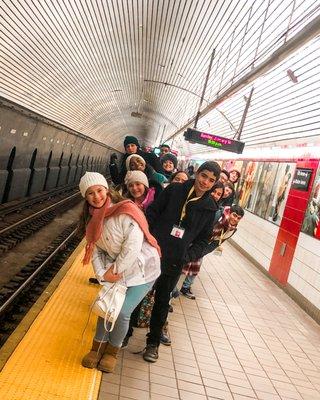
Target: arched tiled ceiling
column 107, row 68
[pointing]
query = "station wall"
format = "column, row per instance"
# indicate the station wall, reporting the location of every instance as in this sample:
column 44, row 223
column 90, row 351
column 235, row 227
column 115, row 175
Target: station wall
column 304, row 274
column 37, row 155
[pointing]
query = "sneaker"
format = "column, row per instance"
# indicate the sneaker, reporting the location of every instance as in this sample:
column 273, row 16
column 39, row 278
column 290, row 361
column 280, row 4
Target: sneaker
column 187, row 293
column 151, row 353
column 125, row 342
column 165, row 337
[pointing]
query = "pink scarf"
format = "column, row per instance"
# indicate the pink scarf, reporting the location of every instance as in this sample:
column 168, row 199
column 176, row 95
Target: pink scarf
column 95, row 225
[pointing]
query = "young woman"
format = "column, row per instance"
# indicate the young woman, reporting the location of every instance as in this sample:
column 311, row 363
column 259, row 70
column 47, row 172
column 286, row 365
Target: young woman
column 217, row 191
column 179, row 177
column 137, row 163
column 234, row 176
column 117, row 236
column 169, row 164
column 228, row 195
column 138, row 189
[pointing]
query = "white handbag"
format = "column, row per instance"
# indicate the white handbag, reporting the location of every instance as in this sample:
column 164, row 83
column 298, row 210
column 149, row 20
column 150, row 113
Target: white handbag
column 109, row 302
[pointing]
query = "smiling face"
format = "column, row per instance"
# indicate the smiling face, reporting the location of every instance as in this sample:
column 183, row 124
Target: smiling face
column 227, row 192
column 136, row 164
column 168, row 166
column 223, row 178
column 180, row 178
column 217, row 193
column 137, row 190
column 233, row 176
column 234, row 219
column 96, row 196
column 204, row 181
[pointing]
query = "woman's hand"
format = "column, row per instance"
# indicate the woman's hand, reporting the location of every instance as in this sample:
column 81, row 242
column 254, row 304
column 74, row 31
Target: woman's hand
column 109, row 276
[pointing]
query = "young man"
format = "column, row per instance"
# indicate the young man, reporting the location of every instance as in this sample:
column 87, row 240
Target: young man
column 132, row 146
column 181, row 219
column 223, row 229
column 164, row 149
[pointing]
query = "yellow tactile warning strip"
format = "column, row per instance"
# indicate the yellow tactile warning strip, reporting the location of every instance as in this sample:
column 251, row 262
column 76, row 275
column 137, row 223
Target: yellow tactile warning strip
column 47, row 363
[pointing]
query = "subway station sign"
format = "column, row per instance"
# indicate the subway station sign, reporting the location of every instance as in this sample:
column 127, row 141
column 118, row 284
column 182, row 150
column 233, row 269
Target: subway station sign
column 215, row 141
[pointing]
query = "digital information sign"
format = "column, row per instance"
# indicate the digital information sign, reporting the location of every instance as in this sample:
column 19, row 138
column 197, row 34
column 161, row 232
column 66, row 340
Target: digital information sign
column 217, row 142
column 301, row 179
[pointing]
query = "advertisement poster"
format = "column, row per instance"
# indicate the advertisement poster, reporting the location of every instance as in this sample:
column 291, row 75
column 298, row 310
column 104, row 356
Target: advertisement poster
column 280, row 193
column 311, row 222
column 264, row 190
column 245, row 195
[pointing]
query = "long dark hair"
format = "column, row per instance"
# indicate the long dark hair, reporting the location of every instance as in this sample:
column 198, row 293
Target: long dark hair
column 85, row 214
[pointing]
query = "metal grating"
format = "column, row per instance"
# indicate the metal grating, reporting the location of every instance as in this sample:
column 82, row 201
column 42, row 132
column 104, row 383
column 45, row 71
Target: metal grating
column 90, row 64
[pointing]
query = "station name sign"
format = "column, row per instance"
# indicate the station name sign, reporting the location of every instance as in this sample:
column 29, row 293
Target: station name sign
column 301, row 179
column 217, row 142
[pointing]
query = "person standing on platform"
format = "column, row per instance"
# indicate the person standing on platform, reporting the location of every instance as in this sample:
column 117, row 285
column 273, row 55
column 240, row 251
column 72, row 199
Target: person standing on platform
column 118, row 237
column 181, row 219
column 169, row 164
column 164, row 149
column 132, row 146
column 223, row 229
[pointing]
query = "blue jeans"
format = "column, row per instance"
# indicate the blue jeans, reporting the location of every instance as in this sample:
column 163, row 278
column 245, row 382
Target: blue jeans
column 189, row 279
column 133, row 297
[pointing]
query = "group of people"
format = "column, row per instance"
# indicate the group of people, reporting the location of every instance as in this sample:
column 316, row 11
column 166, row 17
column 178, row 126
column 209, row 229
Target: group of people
column 155, row 224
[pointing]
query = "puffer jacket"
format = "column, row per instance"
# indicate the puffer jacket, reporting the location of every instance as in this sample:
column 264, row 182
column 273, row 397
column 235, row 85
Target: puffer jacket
column 122, row 243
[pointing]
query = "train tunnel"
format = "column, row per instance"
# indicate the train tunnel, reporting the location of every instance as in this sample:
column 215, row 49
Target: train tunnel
column 235, row 82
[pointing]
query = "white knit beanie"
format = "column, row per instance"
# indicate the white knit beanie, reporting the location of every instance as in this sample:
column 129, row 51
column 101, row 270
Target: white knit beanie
column 130, row 157
column 136, row 176
column 91, row 179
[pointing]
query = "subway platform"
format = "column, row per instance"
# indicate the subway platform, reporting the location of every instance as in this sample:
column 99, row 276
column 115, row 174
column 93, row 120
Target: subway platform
column 242, row 338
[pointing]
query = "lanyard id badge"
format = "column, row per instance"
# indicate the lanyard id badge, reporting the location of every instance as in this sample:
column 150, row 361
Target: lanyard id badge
column 177, row 231
column 218, row 251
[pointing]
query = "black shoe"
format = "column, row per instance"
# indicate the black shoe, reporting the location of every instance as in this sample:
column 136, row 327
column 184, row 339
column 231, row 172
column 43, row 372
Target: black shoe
column 165, row 338
column 170, row 309
column 187, row 293
column 125, row 342
column 151, row 353
column 94, row 280
column 175, row 293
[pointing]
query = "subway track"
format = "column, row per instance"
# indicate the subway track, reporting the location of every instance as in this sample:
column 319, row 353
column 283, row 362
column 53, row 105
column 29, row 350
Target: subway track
column 19, row 294
column 20, row 221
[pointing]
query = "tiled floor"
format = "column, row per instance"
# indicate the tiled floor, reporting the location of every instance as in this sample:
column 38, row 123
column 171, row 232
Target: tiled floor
column 243, row 338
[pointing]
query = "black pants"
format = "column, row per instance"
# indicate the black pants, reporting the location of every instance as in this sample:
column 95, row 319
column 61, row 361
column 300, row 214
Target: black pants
column 164, row 286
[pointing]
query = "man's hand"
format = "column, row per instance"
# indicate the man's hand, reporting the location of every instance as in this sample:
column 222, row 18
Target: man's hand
column 109, row 276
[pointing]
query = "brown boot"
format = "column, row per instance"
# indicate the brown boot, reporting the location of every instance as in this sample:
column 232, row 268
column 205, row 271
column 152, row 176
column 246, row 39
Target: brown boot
column 92, row 359
column 109, row 359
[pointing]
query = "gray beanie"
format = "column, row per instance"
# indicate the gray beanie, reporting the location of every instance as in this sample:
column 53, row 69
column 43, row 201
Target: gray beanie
column 91, row 179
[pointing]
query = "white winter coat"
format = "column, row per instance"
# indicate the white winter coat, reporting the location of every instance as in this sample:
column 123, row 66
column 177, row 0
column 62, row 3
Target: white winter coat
column 122, row 243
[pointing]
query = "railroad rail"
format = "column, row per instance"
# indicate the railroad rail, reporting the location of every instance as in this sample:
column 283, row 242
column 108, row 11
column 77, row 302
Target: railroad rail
column 13, row 231
column 21, row 292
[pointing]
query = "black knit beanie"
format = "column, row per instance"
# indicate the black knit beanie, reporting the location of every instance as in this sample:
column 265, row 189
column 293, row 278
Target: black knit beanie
column 171, row 157
column 130, row 140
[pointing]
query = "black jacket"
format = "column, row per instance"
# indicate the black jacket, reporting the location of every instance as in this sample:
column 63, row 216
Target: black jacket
column 165, row 212
column 150, row 159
